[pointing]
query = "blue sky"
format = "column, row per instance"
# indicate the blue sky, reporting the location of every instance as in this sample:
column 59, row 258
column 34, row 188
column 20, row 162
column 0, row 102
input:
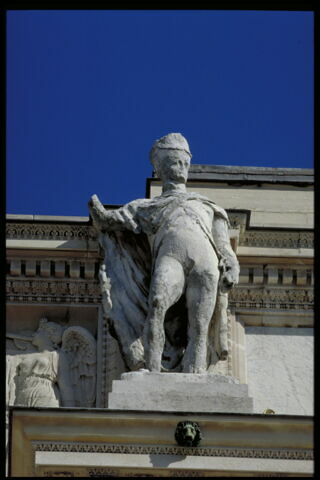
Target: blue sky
column 88, row 92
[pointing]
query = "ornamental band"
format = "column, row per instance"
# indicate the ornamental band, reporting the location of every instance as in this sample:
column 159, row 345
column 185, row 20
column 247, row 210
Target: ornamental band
column 167, row 271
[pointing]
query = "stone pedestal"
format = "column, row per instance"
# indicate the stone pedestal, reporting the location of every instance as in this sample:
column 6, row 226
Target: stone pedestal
column 180, row 392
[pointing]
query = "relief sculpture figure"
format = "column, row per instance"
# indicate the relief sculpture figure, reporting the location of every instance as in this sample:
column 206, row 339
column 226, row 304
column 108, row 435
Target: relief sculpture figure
column 167, row 271
column 54, row 367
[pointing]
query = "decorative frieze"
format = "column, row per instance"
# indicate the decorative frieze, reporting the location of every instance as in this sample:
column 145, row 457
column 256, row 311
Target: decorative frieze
column 276, row 239
column 288, row 454
column 253, row 238
column 65, row 280
column 271, row 298
column 38, row 231
column 80, row 291
column 97, row 472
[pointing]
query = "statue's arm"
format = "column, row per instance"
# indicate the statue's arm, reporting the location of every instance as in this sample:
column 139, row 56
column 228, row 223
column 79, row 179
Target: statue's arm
column 108, row 220
column 64, row 382
column 229, row 262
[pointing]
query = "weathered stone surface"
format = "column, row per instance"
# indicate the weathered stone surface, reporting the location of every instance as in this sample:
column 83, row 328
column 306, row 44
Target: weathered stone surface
column 280, row 369
column 179, row 392
column 82, row 442
column 177, row 321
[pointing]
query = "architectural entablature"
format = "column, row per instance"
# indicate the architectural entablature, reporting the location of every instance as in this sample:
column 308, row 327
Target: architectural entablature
column 131, row 443
column 57, row 259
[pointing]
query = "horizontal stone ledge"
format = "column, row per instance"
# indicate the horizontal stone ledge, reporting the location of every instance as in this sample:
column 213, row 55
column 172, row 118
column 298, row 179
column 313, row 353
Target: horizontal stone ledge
column 172, row 462
column 91, row 245
column 191, row 389
column 167, row 402
column 144, row 390
column 180, row 383
column 47, row 218
column 274, row 252
column 290, row 319
column 51, row 254
column 171, row 378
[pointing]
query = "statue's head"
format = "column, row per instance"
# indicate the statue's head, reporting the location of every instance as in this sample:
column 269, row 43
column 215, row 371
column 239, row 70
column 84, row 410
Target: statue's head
column 48, row 332
column 171, row 156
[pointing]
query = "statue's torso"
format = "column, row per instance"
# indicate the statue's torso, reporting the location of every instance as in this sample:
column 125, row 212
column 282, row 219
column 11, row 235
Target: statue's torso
column 36, row 374
column 181, row 228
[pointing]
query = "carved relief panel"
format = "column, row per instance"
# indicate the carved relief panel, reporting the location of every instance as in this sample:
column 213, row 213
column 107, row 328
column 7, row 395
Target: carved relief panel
column 51, row 360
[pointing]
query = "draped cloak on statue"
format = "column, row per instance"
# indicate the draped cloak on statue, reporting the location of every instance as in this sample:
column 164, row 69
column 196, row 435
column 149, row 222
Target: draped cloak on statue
column 130, row 242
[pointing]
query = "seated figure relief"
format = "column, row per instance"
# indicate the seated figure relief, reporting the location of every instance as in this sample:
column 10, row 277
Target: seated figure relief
column 54, row 367
column 167, row 271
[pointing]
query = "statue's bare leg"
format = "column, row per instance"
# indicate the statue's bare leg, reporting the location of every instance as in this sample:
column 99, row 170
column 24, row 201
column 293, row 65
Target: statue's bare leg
column 166, row 288
column 201, row 294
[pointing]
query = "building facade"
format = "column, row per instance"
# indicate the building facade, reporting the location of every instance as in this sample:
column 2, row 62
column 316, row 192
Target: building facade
column 53, row 273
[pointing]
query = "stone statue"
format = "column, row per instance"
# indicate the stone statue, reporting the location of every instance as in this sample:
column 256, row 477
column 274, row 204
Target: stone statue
column 57, row 367
column 167, row 270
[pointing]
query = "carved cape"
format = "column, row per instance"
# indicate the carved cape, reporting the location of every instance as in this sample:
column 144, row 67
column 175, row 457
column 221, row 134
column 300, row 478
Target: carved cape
column 128, row 263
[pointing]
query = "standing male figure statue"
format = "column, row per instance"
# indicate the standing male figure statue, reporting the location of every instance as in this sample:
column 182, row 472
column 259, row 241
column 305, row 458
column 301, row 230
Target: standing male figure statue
column 190, row 267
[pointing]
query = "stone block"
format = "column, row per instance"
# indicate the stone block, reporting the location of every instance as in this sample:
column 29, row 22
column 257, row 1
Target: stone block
column 15, row 267
column 244, row 275
column 45, row 269
column 287, row 276
column 301, row 277
column 258, row 275
column 75, row 269
column 272, row 276
column 179, row 392
column 89, row 270
column 59, row 268
column 30, row 268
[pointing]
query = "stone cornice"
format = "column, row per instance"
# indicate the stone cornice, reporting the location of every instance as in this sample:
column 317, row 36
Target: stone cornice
column 61, row 265
column 249, row 438
column 267, row 237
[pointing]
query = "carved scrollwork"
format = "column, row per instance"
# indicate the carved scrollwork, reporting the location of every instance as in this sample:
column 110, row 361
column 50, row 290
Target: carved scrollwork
column 271, row 298
column 39, row 288
column 277, row 239
column 77, row 288
column 53, row 291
